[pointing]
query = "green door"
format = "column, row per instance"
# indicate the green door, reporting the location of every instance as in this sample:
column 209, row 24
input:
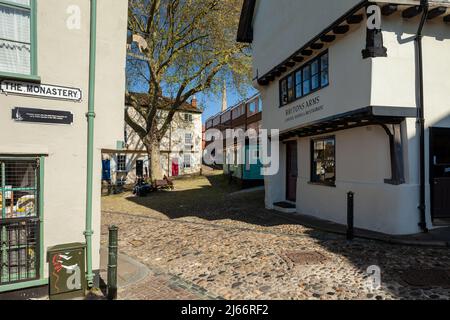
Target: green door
column 20, row 232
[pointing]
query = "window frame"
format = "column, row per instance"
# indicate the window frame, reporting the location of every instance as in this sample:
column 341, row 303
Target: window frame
column 302, row 69
column 185, row 165
column 33, row 76
column 119, row 169
column 188, row 117
column 191, row 139
column 312, row 162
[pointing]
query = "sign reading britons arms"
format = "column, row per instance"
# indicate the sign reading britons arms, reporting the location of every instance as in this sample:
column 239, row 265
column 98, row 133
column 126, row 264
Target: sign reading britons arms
column 41, row 90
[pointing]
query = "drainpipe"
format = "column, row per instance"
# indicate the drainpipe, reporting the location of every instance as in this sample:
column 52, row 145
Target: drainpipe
column 90, row 147
column 421, row 117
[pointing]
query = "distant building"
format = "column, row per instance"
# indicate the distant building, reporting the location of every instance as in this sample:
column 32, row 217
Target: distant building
column 245, row 115
column 181, row 148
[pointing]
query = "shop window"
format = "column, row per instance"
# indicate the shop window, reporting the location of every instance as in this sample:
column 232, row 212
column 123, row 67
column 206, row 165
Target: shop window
column 260, row 105
column 307, row 79
column 19, row 221
column 323, row 161
column 121, row 162
column 18, row 37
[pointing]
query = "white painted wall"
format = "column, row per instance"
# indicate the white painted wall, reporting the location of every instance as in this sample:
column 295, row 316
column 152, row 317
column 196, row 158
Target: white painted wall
column 63, row 59
column 277, row 32
column 172, row 146
column 348, row 72
column 362, row 154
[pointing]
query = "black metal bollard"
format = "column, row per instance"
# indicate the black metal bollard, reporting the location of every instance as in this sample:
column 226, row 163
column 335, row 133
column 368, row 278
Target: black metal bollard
column 350, row 215
column 112, row 262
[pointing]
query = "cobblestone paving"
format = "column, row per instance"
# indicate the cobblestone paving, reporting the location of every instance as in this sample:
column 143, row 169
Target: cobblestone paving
column 236, row 249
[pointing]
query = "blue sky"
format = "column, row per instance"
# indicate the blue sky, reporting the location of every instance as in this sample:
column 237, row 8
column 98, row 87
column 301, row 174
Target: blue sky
column 213, row 103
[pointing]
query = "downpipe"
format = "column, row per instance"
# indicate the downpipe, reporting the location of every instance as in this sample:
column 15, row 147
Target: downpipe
column 421, row 117
column 90, row 143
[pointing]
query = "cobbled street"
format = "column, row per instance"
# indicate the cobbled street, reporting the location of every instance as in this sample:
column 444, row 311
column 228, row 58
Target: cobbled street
column 204, row 241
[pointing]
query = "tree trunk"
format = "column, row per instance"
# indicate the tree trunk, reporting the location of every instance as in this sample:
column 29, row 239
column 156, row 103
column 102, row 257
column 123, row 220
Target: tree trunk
column 154, row 155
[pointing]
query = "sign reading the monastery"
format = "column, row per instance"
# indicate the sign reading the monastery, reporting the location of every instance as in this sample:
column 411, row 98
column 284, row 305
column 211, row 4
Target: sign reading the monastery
column 303, row 109
column 41, row 90
column 42, row 116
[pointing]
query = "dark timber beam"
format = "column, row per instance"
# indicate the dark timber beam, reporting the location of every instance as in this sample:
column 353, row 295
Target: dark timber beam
column 389, row 9
column 298, row 59
column 436, row 12
column 317, row 46
column 341, row 29
column 307, row 52
column 394, row 133
column 411, row 12
column 328, row 38
column 355, row 19
column 290, row 64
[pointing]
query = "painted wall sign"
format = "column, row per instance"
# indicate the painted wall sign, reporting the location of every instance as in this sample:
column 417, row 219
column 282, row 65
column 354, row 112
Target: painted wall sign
column 42, row 116
column 41, row 90
column 303, row 109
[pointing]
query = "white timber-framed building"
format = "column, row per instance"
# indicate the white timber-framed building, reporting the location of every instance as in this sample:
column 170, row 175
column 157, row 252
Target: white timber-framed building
column 349, row 99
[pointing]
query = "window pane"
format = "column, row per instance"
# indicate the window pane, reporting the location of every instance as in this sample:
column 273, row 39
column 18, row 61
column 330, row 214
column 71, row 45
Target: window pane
column 323, row 161
column 291, row 88
column 307, row 73
column 315, row 82
column 306, row 87
column 324, row 78
column 24, row 2
column 315, row 67
column 15, row 51
column 283, row 92
column 14, row 24
column 324, row 61
column 298, row 84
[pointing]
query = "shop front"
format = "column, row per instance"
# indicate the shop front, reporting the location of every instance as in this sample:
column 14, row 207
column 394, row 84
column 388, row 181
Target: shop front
column 21, row 223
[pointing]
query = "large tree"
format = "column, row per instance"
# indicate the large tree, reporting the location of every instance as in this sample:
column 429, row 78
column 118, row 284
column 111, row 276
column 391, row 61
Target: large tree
column 183, row 47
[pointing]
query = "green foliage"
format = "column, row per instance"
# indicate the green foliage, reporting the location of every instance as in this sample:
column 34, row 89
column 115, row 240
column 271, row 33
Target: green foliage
column 185, row 47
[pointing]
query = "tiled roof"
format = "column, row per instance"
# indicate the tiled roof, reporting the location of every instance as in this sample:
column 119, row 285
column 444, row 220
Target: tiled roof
column 143, row 100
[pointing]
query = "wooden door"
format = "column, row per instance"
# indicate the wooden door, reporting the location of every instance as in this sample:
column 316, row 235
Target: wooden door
column 291, row 171
column 440, row 172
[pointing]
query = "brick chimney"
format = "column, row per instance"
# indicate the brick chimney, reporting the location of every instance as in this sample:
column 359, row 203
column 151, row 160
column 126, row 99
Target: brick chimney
column 194, row 102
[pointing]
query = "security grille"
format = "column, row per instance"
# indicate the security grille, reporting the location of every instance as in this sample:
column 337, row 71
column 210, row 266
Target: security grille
column 19, row 221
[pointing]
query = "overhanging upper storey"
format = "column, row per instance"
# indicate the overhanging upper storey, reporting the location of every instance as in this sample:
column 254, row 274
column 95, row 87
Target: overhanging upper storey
column 287, row 32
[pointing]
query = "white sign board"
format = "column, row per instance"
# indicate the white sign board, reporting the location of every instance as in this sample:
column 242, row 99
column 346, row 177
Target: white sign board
column 41, row 90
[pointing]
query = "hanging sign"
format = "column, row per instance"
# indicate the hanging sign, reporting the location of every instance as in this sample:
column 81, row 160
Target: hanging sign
column 41, row 90
column 42, row 116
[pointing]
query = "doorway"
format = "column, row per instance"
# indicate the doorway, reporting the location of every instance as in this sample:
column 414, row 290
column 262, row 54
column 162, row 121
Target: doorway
column 139, row 168
column 291, row 171
column 440, row 173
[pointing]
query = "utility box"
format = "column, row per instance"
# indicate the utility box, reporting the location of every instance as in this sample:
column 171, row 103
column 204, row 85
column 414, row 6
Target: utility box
column 67, row 274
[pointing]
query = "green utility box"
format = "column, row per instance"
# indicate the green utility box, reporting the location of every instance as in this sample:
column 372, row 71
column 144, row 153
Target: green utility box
column 67, row 272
